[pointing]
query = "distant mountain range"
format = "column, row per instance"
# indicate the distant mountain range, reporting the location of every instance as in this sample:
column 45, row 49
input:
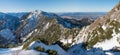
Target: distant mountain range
column 81, row 15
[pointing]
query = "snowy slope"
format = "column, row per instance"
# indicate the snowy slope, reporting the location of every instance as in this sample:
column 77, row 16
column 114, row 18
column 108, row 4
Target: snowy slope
column 74, row 50
column 19, row 51
column 79, row 49
column 51, row 47
column 109, row 44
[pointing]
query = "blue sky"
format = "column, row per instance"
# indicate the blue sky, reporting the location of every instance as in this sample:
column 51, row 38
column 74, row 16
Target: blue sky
column 57, row 5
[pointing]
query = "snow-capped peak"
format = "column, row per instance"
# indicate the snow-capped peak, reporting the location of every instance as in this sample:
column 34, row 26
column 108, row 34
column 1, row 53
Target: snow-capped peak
column 37, row 13
column 34, row 14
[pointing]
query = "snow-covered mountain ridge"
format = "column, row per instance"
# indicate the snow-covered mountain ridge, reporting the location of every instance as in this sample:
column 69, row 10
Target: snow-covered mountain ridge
column 23, row 26
column 45, row 33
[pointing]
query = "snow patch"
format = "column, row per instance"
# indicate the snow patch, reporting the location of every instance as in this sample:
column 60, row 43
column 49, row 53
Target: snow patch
column 29, row 52
column 104, row 27
column 46, row 26
column 35, row 30
column 108, row 53
column 65, row 41
column 34, row 14
column 119, row 29
column 29, row 16
column 24, row 38
column 19, row 51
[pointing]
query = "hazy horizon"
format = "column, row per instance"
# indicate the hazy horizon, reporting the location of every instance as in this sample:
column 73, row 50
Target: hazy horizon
column 57, row 5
